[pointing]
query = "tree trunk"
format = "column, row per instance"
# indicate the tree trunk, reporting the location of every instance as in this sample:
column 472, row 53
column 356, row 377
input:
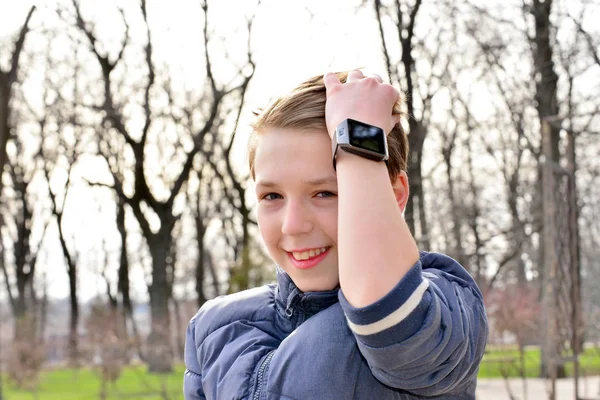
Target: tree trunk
column 456, row 215
column 73, row 297
column 123, row 283
column 22, row 253
column 405, row 30
column 200, row 262
column 473, row 217
column 4, row 126
column 158, row 352
column 546, row 78
column 213, row 273
column 547, row 101
column 74, row 317
column 240, row 275
column 7, row 79
column 179, row 329
column 43, row 311
column 413, row 205
column 518, row 234
column 417, row 197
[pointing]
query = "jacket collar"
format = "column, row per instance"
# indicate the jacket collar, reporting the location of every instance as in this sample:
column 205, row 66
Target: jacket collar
column 293, row 300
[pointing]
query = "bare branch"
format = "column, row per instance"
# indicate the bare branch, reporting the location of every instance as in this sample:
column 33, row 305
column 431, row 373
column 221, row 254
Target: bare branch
column 507, row 258
column 125, row 39
column 112, row 113
column 11, row 299
column 209, row 72
column 7, row 80
column 151, row 78
column 12, row 74
column 391, row 69
column 189, row 162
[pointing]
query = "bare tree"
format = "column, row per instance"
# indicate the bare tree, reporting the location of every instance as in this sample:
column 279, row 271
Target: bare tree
column 204, row 208
column 123, row 285
column 7, row 82
column 20, row 216
column 474, row 214
column 545, row 75
column 123, row 325
column 419, row 85
column 59, row 201
column 533, row 28
column 235, row 195
column 147, row 207
column 25, row 228
column 449, row 143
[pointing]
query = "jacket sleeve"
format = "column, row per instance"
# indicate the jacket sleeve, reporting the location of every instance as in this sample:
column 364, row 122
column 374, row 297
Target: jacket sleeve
column 192, row 378
column 428, row 335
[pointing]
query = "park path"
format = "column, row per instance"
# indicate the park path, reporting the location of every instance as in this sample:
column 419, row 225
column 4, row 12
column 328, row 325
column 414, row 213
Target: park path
column 495, row 389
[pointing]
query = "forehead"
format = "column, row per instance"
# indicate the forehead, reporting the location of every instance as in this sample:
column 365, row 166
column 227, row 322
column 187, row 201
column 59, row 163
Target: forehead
column 288, row 154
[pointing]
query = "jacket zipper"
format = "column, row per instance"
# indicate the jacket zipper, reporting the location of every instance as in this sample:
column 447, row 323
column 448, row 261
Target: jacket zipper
column 261, row 374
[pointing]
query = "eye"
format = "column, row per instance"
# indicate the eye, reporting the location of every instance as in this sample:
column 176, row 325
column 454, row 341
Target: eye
column 326, row 194
column 271, row 196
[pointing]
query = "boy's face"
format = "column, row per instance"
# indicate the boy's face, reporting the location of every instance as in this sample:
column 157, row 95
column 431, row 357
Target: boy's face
column 296, row 190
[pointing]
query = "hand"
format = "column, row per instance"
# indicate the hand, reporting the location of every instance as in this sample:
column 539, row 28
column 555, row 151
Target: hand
column 365, row 99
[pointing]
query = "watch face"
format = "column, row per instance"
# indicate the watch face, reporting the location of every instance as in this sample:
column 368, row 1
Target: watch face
column 366, row 136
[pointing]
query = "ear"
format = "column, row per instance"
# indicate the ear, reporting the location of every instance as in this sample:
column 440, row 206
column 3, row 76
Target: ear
column 401, row 191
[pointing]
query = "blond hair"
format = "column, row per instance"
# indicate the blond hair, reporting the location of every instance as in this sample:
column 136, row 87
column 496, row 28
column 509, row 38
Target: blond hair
column 304, row 109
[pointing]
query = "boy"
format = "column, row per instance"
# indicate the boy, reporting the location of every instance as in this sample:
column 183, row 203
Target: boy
column 357, row 311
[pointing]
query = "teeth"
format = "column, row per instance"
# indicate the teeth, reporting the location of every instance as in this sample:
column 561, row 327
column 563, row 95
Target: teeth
column 305, row 255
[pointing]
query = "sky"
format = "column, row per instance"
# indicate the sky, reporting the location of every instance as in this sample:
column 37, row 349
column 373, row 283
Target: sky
column 292, row 40
column 290, row 44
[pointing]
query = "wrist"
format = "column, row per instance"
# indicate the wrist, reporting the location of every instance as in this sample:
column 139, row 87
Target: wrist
column 360, row 139
column 346, row 160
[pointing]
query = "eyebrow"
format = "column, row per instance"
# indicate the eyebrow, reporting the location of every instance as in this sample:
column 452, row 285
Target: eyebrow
column 315, row 182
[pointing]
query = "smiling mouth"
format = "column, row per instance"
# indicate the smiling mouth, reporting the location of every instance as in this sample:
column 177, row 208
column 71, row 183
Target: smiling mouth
column 307, row 255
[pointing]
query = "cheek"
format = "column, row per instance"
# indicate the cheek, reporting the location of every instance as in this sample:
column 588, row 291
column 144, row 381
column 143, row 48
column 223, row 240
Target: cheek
column 329, row 222
column 267, row 226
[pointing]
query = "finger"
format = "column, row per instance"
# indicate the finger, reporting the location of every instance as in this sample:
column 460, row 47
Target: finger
column 355, row 75
column 393, row 92
column 376, row 77
column 331, row 81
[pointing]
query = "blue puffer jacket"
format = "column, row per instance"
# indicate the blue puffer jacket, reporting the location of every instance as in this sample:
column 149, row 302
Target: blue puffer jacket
column 424, row 339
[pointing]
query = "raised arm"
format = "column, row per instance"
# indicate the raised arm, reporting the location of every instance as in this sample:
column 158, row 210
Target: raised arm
column 375, row 246
column 423, row 332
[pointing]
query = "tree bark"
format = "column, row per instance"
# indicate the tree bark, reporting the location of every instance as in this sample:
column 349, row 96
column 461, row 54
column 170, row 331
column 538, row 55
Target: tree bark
column 200, row 262
column 5, row 92
column 415, row 213
column 158, row 352
column 123, row 285
column 546, row 77
column 474, row 214
column 547, row 106
column 7, row 80
column 456, row 218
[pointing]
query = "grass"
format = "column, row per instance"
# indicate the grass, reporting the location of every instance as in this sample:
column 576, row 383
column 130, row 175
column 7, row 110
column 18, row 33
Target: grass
column 137, row 383
column 499, row 362
column 82, row 384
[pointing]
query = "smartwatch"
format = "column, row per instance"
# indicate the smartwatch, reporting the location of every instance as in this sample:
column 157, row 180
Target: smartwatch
column 362, row 139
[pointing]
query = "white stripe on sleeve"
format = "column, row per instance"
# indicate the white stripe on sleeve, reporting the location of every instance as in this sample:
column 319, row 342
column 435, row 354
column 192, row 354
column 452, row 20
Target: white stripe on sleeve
column 394, row 318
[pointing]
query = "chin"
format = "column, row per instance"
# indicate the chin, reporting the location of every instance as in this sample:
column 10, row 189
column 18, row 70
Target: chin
column 307, row 285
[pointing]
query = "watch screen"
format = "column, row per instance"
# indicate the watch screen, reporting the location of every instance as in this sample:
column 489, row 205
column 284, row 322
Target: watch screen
column 366, row 136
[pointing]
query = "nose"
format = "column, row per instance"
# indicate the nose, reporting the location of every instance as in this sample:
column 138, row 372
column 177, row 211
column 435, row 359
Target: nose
column 297, row 219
